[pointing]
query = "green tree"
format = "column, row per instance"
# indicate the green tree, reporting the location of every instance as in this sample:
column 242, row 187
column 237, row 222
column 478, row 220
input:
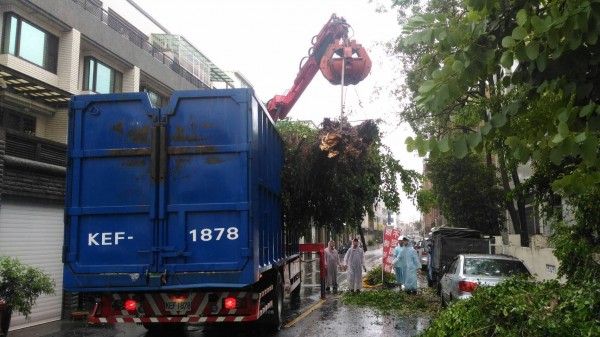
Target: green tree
column 335, row 174
column 464, row 195
column 537, row 63
column 531, row 70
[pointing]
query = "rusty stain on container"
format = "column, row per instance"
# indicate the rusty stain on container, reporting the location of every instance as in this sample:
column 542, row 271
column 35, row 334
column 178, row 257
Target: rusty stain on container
column 133, row 162
column 192, row 149
column 118, row 127
column 213, row 160
column 129, row 152
column 140, row 135
column 179, row 163
column 181, row 136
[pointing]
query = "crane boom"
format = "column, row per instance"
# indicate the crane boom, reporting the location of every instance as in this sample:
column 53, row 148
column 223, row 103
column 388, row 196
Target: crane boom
column 331, row 52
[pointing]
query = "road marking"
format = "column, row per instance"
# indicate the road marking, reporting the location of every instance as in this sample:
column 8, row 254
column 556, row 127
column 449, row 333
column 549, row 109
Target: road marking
column 304, row 314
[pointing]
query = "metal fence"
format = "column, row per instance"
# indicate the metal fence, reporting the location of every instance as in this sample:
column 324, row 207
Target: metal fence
column 138, row 39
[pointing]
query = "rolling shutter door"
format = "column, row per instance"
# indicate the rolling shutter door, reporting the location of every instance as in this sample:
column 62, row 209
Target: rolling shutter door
column 33, row 232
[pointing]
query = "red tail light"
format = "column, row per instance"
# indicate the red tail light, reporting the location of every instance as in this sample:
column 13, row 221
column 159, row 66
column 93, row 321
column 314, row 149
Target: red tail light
column 130, row 305
column 467, row 286
column 230, row 303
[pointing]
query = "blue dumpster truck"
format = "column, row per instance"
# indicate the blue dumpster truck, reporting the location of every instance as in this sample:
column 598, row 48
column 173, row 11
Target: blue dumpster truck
column 173, row 214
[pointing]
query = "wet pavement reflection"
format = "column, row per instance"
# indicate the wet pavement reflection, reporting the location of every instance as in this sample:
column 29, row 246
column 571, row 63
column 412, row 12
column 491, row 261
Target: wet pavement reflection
column 305, row 315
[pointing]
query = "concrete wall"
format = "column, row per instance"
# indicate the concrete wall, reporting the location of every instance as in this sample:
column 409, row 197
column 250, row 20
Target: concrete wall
column 538, row 257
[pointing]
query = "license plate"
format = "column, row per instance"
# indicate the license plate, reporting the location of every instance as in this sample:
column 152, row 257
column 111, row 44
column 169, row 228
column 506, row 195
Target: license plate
column 178, row 305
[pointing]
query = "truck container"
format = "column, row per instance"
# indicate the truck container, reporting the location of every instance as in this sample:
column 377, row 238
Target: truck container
column 447, row 242
column 173, row 214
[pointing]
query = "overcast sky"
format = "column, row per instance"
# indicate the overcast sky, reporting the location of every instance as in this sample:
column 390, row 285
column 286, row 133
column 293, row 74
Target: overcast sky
column 265, row 40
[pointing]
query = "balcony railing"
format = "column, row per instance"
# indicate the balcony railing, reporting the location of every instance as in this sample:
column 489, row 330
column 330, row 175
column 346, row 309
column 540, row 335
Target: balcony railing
column 139, row 40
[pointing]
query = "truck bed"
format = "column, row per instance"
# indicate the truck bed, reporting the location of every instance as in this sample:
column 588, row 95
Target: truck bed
column 185, row 196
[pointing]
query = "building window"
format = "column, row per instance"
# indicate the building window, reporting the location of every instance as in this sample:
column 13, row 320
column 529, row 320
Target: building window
column 157, row 100
column 100, row 78
column 13, row 120
column 29, row 42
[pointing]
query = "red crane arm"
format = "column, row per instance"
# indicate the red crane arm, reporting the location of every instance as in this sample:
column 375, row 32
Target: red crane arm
column 333, row 31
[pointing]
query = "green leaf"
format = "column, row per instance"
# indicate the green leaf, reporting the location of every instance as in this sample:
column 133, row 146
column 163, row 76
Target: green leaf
column 520, row 52
column 539, row 26
column 498, row 120
column 521, row 17
column 433, row 143
column 512, row 108
column 441, row 95
column 460, row 148
column 563, row 129
column 458, row 66
column 557, row 139
column 474, row 139
column 552, row 38
column 532, row 50
column 426, row 36
column 485, row 129
column 589, row 151
column 563, row 115
column 426, row 86
column 556, row 156
column 436, row 74
column 507, row 59
column 587, row 110
column 542, row 61
column 443, row 145
column 519, row 33
column 581, row 137
column 512, row 141
column 508, row 42
column 410, row 144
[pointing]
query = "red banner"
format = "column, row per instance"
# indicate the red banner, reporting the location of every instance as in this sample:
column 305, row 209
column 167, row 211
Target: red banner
column 390, row 241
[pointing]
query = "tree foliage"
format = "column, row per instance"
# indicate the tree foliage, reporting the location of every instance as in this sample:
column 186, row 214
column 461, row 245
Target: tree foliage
column 546, row 49
column 335, row 174
column 530, row 68
column 21, row 285
column 517, row 307
column 464, row 194
column 521, row 80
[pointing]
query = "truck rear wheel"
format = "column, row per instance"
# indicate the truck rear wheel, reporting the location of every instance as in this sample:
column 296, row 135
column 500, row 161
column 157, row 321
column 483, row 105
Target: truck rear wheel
column 274, row 320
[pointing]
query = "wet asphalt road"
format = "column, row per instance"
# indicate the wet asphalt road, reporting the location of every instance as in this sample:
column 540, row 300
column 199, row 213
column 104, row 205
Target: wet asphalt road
column 308, row 316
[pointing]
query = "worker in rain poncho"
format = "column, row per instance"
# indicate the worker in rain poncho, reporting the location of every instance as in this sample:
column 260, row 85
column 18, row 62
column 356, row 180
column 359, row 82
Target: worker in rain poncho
column 410, row 264
column 332, row 262
column 397, row 262
column 354, row 262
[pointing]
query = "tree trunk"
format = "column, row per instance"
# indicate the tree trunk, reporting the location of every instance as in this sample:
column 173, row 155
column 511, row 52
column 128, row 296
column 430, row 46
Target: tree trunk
column 362, row 238
column 524, row 232
column 514, row 217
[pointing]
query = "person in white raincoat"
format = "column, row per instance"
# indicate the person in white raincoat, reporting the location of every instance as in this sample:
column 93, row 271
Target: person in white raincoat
column 332, row 262
column 398, row 263
column 410, row 264
column 354, row 261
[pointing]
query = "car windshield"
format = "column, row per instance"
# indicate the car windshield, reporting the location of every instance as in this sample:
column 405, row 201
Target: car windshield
column 493, row 267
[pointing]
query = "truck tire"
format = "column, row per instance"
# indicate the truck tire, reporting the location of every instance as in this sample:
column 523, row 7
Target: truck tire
column 274, row 320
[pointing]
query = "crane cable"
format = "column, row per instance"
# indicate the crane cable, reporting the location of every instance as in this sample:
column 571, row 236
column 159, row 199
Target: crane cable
column 342, row 100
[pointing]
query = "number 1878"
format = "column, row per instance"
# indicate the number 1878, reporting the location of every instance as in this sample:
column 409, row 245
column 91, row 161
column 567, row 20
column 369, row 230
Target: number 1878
column 208, row 234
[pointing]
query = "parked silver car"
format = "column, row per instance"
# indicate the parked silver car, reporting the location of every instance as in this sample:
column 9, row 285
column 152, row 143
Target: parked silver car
column 469, row 271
